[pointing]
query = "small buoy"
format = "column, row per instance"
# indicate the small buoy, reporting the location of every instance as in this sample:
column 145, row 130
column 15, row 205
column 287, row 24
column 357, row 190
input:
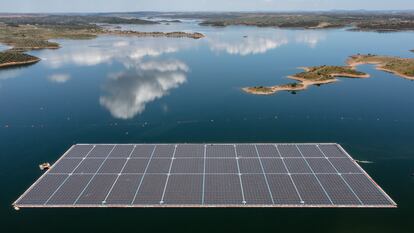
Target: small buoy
column 44, row 166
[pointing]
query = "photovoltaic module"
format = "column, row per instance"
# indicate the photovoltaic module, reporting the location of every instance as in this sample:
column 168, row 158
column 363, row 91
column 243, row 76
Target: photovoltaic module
column 205, row 175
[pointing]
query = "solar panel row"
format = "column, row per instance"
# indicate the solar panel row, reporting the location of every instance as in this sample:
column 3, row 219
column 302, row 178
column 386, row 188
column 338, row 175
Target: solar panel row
column 205, row 175
column 208, row 150
column 199, row 165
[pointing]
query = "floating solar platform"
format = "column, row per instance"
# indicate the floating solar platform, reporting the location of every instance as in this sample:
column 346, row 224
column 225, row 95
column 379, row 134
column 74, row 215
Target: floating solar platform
column 205, row 175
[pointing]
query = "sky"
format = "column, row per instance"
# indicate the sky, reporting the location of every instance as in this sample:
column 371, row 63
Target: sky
column 36, row 6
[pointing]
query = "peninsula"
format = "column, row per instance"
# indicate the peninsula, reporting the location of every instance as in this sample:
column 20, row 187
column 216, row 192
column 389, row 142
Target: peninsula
column 195, row 35
column 316, row 75
column 403, row 67
column 34, row 32
column 10, row 58
column 385, row 21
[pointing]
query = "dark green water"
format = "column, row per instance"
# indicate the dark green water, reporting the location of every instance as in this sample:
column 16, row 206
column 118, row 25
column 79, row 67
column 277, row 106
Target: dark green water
column 129, row 90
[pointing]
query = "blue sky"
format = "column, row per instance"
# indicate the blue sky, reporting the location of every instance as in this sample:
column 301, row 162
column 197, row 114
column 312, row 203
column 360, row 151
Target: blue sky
column 198, row 5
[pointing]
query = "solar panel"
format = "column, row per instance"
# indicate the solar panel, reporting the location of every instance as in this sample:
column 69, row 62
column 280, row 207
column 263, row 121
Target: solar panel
column 184, row 189
column 123, row 190
column 267, row 151
column 284, row 191
column 70, row 190
column 205, row 175
column 100, row 151
column 79, row 151
column 136, row 166
column 142, row 151
column 250, row 165
column 89, row 166
column 186, row 165
column 256, row 189
column 65, row 166
column 150, row 190
column 273, row 165
column 189, row 151
column 121, row 151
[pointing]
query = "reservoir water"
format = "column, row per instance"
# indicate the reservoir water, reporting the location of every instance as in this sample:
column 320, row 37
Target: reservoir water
column 163, row 90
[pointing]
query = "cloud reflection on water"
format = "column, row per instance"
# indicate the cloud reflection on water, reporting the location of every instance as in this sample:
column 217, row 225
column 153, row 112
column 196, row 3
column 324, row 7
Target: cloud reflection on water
column 9, row 74
column 59, row 78
column 247, row 46
column 128, row 92
column 147, row 74
column 310, row 38
column 108, row 50
column 260, row 41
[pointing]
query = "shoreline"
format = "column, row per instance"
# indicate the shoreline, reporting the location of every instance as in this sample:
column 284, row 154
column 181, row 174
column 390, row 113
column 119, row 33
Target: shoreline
column 22, row 63
column 16, row 48
column 303, row 83
column 192, row 35
column 318, row 75
column 378, row 66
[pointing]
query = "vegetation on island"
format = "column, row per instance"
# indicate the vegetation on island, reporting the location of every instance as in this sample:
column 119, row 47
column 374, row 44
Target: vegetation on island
column 261, row 89
column 282, row 21
column 367, row 21
column 403, row 67
column 80, row 21
column 32, row 32
column 169, row 21
column 16, row 58
column 316, row 75
column 324, row 73
column 194, row 35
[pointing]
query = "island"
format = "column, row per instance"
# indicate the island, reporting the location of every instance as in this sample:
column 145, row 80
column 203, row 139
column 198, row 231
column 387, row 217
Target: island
column 195, row 35
column 316, row 75
column 10, row 58
column 403, row 67
column 352, row 20
column 33, row 32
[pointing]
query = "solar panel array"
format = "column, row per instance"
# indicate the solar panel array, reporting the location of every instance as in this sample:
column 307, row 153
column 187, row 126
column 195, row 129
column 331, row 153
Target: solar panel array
column 205, row 175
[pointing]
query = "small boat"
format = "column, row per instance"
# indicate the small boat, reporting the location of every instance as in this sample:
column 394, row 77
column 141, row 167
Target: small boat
column 44, row 166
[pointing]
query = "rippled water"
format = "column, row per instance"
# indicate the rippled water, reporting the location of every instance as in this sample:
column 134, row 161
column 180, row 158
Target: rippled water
column 127, row 89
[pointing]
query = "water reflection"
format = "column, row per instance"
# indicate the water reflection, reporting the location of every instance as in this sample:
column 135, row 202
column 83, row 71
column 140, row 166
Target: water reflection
column 128, row 92
column 310, row 38
column 259, row 41
column 248, row 45
column 59, row 78
column 236, row 41
column 107, row 50
column 9, row 73
column 150, row 67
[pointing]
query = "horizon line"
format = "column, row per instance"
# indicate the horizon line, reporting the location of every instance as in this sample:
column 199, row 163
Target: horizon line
column 211, row 11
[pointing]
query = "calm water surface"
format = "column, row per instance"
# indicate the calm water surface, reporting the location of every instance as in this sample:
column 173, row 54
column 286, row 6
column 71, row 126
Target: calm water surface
column 129, row 90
